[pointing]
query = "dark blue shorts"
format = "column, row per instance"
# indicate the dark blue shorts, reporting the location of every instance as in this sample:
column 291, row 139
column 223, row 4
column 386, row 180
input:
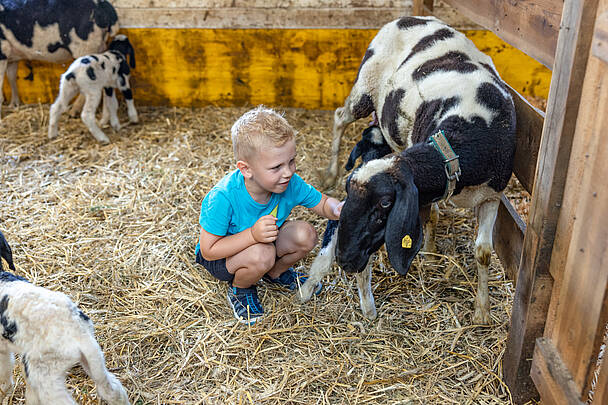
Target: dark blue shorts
column 217, row 268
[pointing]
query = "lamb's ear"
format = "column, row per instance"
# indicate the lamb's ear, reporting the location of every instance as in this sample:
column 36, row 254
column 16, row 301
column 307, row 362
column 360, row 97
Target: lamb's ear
column 131, row 56
column 403, row 235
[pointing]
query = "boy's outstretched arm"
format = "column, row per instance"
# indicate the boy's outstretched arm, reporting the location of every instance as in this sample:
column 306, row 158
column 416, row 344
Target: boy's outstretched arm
column 328, row 207
column 214, row 247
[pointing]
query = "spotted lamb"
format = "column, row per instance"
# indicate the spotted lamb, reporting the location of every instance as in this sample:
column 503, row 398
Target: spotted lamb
column 93, row 76
column 52, row 335
column 51, row 31
column 424, row 78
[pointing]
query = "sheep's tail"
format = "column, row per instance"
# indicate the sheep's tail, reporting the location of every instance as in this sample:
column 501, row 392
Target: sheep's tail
column 6, row 253
column 109, row 387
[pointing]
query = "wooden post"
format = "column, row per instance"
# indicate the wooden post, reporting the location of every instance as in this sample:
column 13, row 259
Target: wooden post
column 534, row 285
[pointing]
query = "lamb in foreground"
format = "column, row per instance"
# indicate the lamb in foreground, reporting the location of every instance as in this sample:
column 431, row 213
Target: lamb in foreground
column 52, row 335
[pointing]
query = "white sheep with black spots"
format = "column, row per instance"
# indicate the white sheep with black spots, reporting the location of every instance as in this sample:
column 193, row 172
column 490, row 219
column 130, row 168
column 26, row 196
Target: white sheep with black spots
column 96, row 76
column 421, row 77
column 51, row 31
column 52, row 335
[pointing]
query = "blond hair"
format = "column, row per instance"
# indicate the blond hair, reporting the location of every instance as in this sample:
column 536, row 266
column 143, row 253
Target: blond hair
column 258, row 128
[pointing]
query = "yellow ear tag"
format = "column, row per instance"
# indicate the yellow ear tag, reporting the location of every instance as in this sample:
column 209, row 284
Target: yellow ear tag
column 406, row 242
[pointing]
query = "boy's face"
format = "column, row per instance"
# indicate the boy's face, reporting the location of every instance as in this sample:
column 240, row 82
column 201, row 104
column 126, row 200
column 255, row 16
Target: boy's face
column 271, row 168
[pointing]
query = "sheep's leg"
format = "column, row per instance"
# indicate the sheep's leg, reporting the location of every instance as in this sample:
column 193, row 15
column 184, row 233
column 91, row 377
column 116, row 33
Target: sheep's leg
column 67, row 90
column 128, row 94
column 46, row 384
column 342, row 118
column 105, row 115
column 430, row 217
column 486, row 216
column 7, row 362
column 93, row 362
column 110, row 109
column 11, row 73
column 366, row 296
column 3, row 65
column 92, row 99
column 77, row 106
column 320, row 267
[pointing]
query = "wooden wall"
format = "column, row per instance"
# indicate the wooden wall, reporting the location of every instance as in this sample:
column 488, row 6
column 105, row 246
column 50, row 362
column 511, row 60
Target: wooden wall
column 277, row 52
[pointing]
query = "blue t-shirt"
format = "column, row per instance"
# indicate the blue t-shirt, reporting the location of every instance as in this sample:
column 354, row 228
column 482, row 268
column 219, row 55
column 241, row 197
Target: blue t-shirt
column 228, row 208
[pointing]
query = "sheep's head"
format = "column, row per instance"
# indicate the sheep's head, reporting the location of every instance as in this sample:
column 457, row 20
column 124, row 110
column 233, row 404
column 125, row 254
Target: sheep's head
column 381, row 207
column 122, row 44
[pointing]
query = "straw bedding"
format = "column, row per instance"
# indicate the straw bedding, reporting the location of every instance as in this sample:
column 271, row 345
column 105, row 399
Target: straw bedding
column 115, row 226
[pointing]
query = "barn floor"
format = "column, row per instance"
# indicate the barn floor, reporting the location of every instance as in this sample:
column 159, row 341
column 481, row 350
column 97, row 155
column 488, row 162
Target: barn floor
column 115, row 226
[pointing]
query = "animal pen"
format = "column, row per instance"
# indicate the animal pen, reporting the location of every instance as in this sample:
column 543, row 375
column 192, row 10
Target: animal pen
column 115, row 226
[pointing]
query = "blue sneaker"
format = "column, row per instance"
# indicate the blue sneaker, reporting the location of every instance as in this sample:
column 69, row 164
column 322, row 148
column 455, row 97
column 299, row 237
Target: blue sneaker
column 291, row 280
column 245, row 304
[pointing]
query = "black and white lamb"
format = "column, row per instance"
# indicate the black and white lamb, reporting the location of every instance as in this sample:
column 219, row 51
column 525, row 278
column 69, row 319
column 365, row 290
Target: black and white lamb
column 93, row 76
column 423, row 78
column 51, row 31
column 52, row 335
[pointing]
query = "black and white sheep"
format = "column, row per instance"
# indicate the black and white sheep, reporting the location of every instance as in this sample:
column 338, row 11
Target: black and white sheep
column 420, row 76
column 96, row 76
column 52, row 335
column 51, row 31
column 371, row 146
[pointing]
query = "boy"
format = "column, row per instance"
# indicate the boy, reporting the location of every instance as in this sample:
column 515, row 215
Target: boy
column 245, row 235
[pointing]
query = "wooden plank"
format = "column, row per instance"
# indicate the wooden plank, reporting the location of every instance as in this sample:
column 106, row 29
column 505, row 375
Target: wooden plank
column 582, row 158
column 313, row 68
column 529, row 132
column 508, row 237
column 422, row 7
column 580, row 321
column 551, row 376
column 533, row 290
column 247, row 18
column 531, row 26
column 600, row 38
column 258, row 3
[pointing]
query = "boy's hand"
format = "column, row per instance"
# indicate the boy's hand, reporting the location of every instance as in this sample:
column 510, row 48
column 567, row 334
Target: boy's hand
column 265, row 229
column 338, row 209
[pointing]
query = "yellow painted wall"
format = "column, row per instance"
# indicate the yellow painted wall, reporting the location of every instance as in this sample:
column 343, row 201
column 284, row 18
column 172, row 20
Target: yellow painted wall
column 308, row 68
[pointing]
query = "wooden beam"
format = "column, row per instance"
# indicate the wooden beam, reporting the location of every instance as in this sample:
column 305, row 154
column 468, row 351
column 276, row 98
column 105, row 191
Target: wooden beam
column 551, row 376
column 529, row 132
column 422, row 7
column 531, row 26
column 508, row 237
column 246, row 18
column 533, row 290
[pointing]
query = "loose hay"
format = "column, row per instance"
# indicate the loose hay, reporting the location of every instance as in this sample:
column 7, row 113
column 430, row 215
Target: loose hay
column 115, row 226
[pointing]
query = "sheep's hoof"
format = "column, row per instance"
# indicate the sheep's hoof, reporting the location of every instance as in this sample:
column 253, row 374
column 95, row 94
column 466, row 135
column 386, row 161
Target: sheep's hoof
column 304, row 293
column 481, row 317
column 370, row 313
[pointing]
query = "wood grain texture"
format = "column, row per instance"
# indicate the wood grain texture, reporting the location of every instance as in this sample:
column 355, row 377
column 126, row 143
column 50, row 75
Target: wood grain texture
column 531, row 26
column 533, row 291
column 551, row 376
column 292, row 68
column 508, row 237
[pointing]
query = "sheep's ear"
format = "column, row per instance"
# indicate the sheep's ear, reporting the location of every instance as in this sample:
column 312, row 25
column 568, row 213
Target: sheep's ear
column 403, row 235
column 352, row 158
column 131, row 56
